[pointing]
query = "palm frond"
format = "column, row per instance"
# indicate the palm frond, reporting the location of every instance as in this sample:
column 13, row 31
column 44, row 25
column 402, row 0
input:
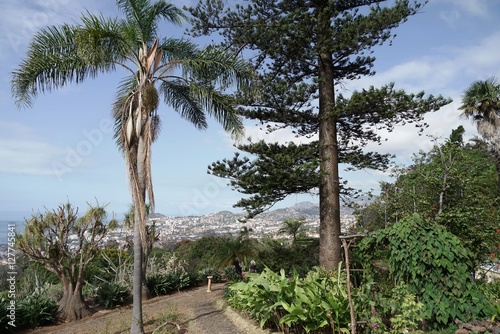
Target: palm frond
column 177, row 94
column 100, row 41
column 175, row 49
column 218, row 105
column 164, row 10
column 146, row 16
column 481, row 101
column 52, row 61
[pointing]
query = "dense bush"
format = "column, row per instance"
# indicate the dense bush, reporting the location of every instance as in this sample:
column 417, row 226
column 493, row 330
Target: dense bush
column 36, row 310
column 203, row 273
column 432, row 263
column 201, row 253
column 110, row 294
column 316, row 304
column 168, row 274
column 163, row 284
column 301, row 256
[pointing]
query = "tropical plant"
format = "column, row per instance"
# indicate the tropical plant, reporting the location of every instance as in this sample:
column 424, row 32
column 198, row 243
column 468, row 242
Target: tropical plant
column 36, row 310
column 111, row 294
column 317, row 302
column 191, row 81
column 112, row 265
column 481, row 103
column 304, row 53
column 209, row 271
column 301, row 256
column 46, row 240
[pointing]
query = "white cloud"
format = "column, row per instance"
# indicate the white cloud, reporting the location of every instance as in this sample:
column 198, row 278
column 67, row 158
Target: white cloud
column 23, row 152
column 457, row 11
column 282, row 136
column 447, row 70
column 473, row 7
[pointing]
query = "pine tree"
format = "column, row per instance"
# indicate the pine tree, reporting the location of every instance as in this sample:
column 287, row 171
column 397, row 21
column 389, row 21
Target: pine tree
column 304, row 52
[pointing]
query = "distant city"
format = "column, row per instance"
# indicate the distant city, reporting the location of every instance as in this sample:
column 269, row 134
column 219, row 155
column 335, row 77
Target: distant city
column 175, row 229
column 224, row 223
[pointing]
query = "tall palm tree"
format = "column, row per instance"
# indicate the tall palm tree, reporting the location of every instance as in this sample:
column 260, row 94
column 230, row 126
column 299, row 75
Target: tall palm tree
column 481, row 103
column 191, row 81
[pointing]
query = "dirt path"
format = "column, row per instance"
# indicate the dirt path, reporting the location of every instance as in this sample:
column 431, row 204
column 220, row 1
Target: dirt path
column 200, row 312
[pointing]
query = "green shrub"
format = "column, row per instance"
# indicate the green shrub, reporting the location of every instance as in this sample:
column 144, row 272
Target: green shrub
column 433, row 263
column 209, row 271
column 180, row 279
column 163, row 284
column 4, row 320
column 231, row 275
column 302, row 256
column 35, row 310
column 110, row 294
column 159, row 285
column 492, row 292
column 315, row 303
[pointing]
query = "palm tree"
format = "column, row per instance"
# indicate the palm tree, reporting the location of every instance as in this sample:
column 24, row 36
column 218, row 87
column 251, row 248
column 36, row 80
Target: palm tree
column 191, row 81
column 293, row 227
column 481, row 103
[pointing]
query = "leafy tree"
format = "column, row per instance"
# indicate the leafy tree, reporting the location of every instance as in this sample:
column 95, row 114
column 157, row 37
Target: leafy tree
column 191, row 81
column 453, row 184
column 481, row 103
column 430, row 261
column 304, row 52
column 48, row 240
column 201, row 253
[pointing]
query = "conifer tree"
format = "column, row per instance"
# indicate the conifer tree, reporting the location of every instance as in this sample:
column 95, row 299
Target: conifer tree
column 304, row 52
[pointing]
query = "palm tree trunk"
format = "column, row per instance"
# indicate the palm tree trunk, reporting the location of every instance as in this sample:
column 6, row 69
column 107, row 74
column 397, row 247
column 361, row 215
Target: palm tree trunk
column 137, row 327
column 140, row 238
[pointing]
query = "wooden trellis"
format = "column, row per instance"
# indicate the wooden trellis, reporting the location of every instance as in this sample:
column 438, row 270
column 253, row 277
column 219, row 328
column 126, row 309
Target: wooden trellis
column 346, row 243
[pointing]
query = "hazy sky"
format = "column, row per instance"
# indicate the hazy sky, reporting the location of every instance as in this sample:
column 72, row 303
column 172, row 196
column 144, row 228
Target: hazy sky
column 63, row 149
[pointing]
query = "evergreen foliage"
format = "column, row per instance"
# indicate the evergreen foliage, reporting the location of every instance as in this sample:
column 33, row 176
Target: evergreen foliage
column 304, row 53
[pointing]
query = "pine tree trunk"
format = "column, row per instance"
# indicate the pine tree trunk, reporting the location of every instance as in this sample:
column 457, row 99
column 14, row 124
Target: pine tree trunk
column 329, row 190
column 72, row 306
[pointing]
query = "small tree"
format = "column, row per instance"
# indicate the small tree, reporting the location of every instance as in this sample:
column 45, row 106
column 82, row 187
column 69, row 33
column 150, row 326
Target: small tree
column 65, row 245
column 293, row 227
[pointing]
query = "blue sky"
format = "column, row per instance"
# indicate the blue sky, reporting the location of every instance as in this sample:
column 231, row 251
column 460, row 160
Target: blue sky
column 63, row 149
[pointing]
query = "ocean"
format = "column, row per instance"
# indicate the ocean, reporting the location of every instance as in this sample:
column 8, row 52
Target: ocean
column 4, row 228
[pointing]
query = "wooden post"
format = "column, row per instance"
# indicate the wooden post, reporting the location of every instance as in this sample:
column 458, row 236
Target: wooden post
column 348, row 272
column 209, row 289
